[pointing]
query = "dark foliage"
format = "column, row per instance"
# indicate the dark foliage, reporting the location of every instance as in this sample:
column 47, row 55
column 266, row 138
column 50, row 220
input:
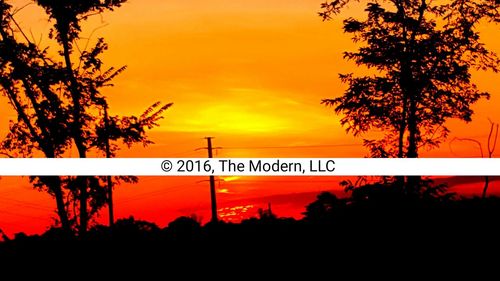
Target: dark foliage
column 363, row 229
column 419, row 56
column 60, row 104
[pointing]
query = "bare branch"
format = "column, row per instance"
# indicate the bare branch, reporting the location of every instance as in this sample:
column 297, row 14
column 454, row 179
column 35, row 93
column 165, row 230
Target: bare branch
column 4, row 153
column 20, row 29
column 470, row 140
column 17, row 10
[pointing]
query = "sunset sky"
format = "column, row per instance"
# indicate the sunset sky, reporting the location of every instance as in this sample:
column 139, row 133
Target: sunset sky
column 249, row 73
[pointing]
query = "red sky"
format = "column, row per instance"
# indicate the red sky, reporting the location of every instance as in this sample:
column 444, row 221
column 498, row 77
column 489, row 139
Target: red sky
column 250, row 74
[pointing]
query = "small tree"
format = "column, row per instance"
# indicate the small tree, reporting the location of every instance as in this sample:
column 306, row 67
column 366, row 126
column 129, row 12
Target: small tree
column 491, row 145
column 325, row 208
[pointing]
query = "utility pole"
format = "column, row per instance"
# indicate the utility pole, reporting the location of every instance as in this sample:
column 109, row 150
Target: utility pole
column 109, row 180
column 213, row 197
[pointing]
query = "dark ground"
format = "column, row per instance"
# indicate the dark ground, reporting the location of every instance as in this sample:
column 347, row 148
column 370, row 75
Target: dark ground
column 335, row 234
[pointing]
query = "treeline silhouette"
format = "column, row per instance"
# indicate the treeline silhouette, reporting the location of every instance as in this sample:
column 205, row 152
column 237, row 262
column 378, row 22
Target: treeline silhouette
column 376, row 218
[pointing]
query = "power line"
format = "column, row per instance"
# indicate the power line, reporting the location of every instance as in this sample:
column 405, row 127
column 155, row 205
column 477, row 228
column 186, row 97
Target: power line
column 283, row 181
column 26, row 204
column 17, row 225
column 41, row 208
column 154, row 192
column 22, row 215
column 192, row 151
column 18, row 188
column 291, row 146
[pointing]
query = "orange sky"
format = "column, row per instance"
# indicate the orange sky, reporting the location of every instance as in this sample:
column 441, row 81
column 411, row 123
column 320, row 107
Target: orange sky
column 250, row 73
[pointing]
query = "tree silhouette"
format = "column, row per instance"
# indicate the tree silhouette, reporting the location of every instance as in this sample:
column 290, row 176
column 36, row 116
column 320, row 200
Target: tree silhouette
column 60, row 104
column 420, row 55
column 266, row 214
column 29, row 79
column 67, row 16
column 184, row 228
column 324, row 208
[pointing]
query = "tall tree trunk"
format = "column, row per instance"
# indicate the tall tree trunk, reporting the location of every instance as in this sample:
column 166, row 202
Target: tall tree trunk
column 77, row 131
column 403, row 81
column 400, row 180
column 54, row 183
column 402, row 128
column 413, row 181
column 109, row 179
column 412, row 130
